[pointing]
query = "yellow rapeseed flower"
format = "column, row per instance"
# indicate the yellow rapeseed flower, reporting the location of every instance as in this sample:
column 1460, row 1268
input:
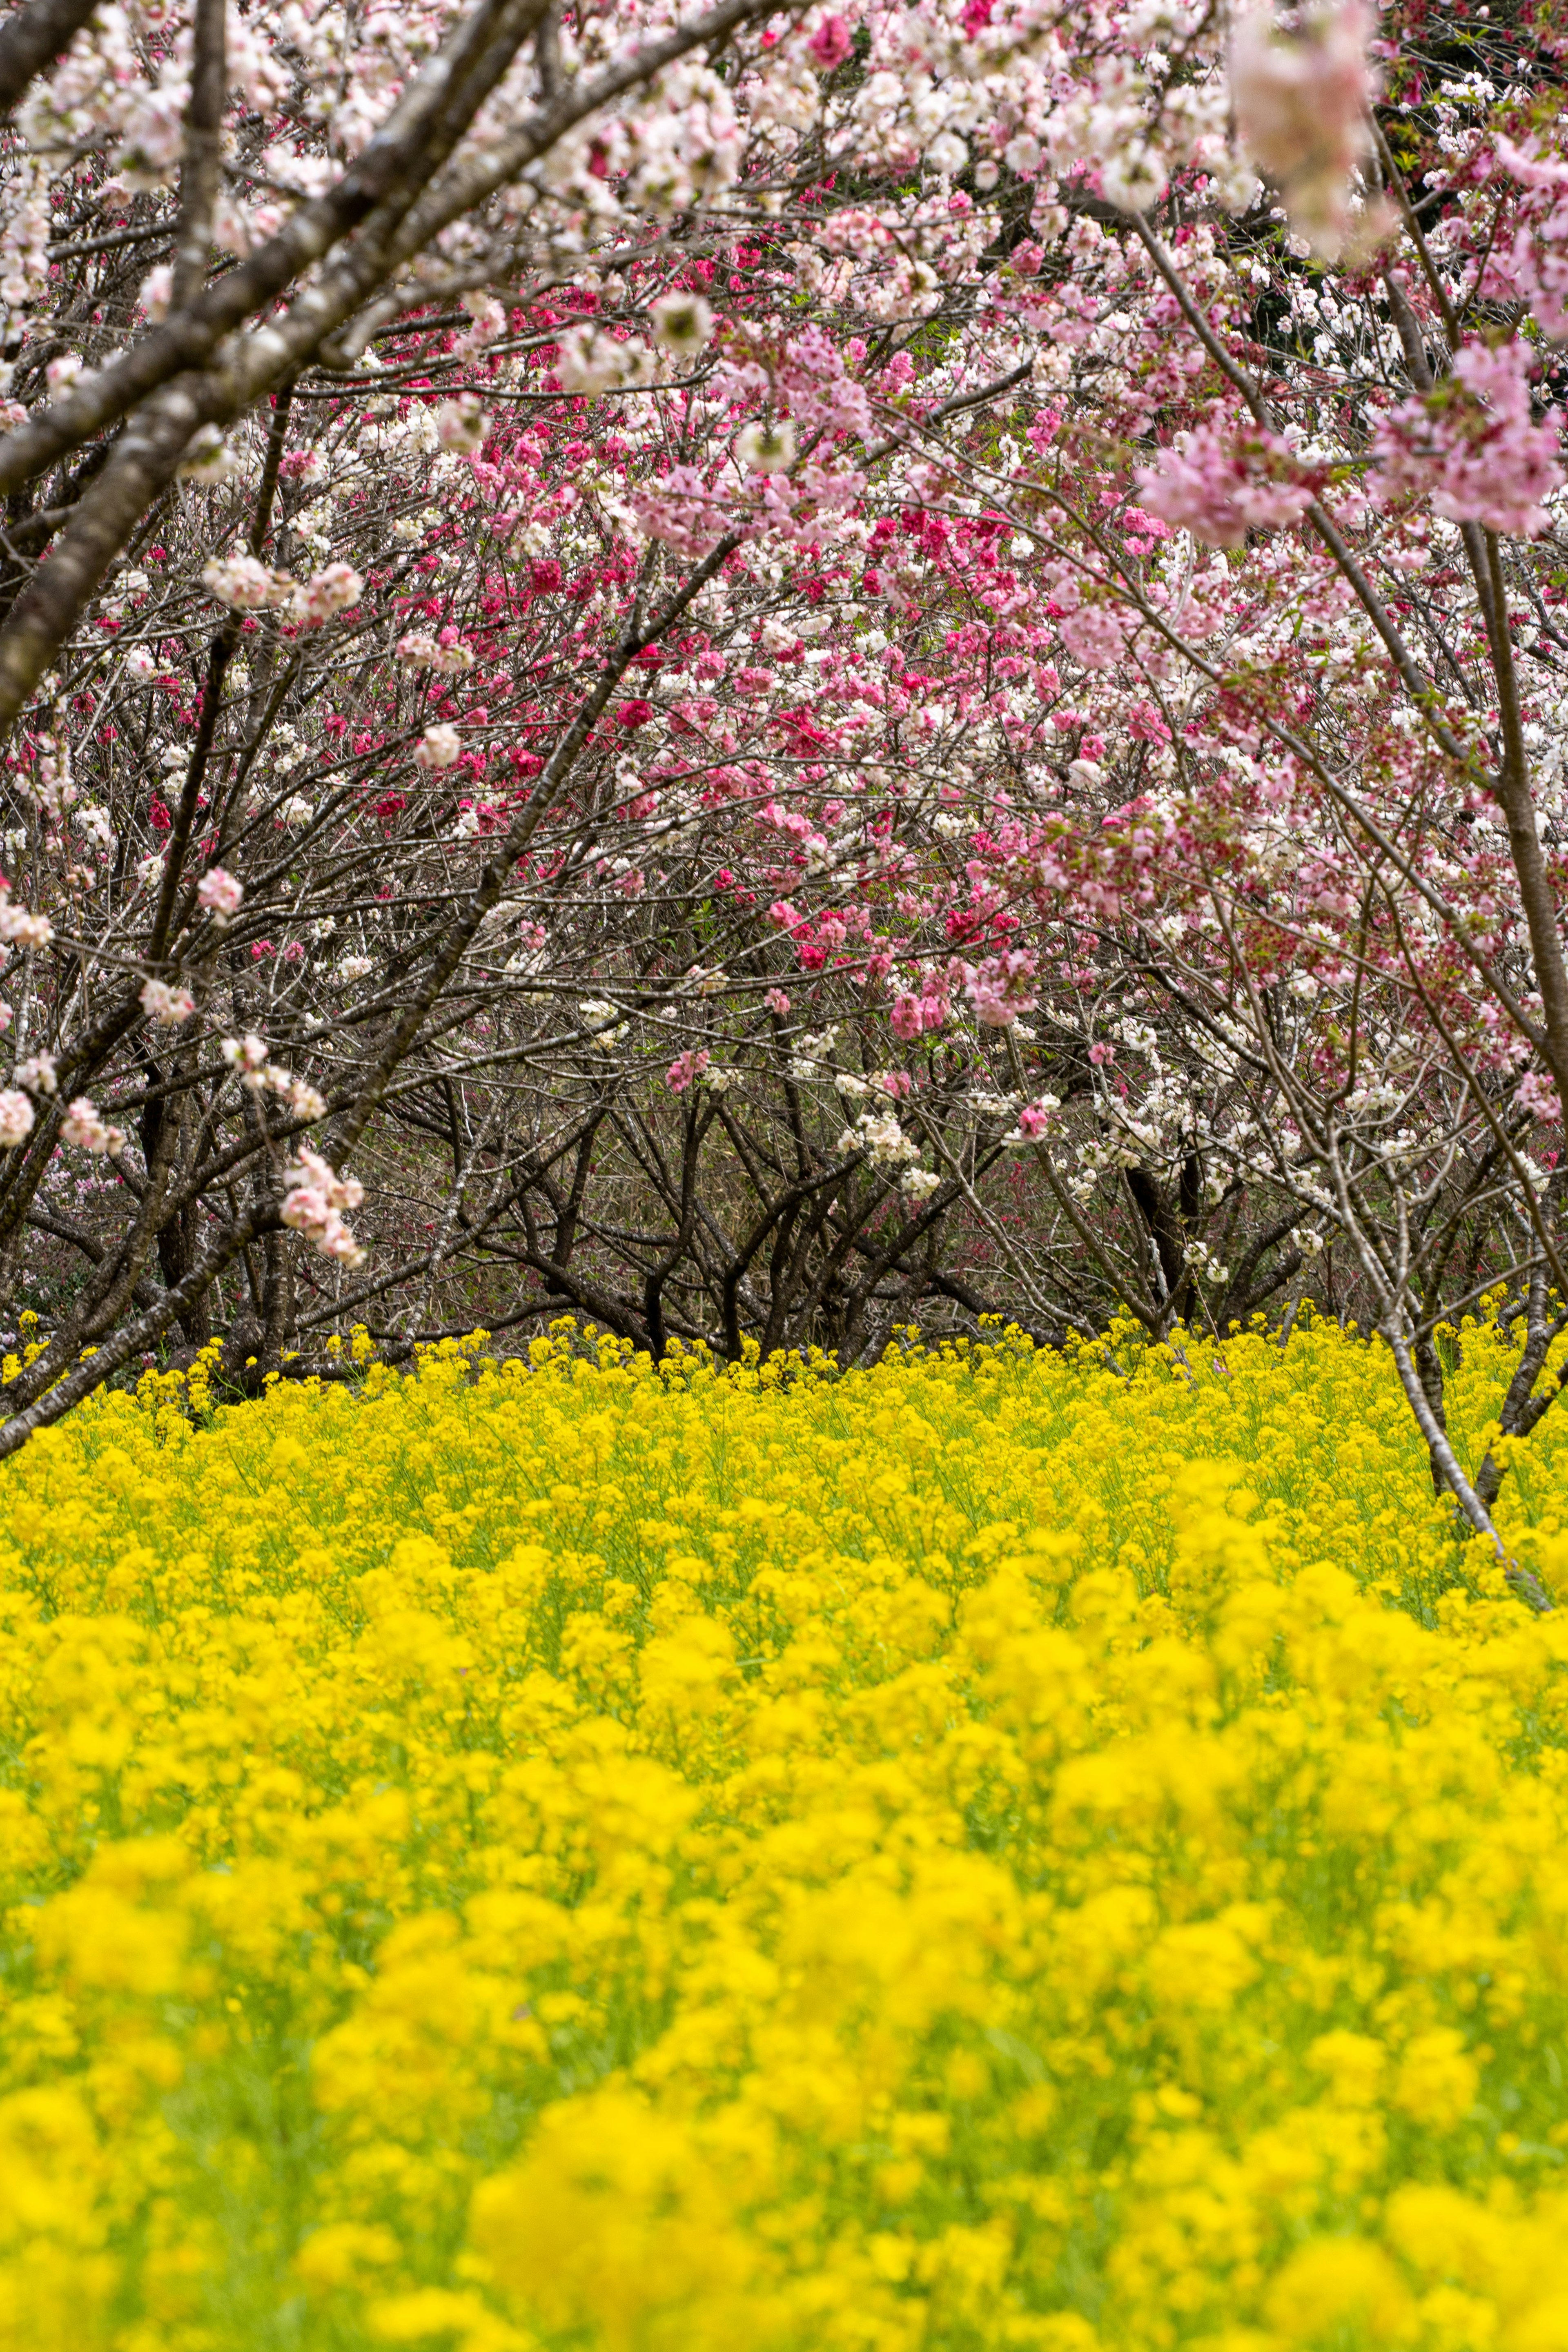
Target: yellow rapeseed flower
column 559, row 1854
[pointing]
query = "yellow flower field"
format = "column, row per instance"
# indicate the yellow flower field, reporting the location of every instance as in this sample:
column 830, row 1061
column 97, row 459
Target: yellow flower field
column 989, row 1851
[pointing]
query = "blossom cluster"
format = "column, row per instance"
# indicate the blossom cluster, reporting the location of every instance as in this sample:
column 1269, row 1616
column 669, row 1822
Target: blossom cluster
column 314, row 1200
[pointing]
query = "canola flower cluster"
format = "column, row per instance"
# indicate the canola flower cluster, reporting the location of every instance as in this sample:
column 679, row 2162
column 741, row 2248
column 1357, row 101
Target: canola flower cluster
column 990, row 1851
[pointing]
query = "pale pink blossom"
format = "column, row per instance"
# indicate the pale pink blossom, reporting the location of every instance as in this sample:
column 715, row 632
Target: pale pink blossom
column 240, row 581
column 156, row 288
column 683, row 323
column 451, row 657
column 1301, row 98
column 1220, row 481
column 16, row 1119
column 83, row 1126
column 1536, row 1094
column 489, row 320
column 1472, row 446
column 314, row 1200
column 1538, row 263
column 219, row 893
column 446, row 654
column 302, row 1097
column 247, row 1055
column 337, row 589
column 766, row 448
column 18, row 929
column 591, row 362
column 1002, row 987
column 438, row 747
column 304, row 1100
column 39, row 1075
column 208, row 459
column 167, row 1003
column 461, row 424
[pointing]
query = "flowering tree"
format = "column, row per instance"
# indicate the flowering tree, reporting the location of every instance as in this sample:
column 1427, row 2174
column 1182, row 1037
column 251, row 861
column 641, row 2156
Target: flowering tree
column 770, row 664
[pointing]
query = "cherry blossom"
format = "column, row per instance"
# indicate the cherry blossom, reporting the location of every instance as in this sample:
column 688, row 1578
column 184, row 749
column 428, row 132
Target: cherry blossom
column 314, row 1200
column 1473, row 446
column 438, row 747
column 166, row 1003
column 1302, row 97
column 16, row 1117
column 220, row 893
column 1221, row 481
column 88, row 1131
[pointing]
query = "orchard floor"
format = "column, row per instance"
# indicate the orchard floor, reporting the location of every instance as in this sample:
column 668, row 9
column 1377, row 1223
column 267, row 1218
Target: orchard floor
column 984, row 1853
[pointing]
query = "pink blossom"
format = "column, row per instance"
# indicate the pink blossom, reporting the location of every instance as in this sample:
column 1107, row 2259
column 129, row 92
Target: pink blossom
column 1536, row 1093
column 912, row 1016
column 336, row 590
column 219, row 893
column 1002, row 987
column 18, row 929
column 83, row 1126
column 1221, row 481
column 1302, row 99
column 686, row 1069
column 16, row 1117
column 438, row 747
column 313, row 1204
column 830, row 44
column 1471, row 445
column 1095, row 636
column 1037, row 1118
column 776, row 1001
column 166, row 1003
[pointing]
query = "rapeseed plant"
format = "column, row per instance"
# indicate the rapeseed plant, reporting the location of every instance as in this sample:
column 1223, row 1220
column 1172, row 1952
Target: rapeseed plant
column 992, row 1850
